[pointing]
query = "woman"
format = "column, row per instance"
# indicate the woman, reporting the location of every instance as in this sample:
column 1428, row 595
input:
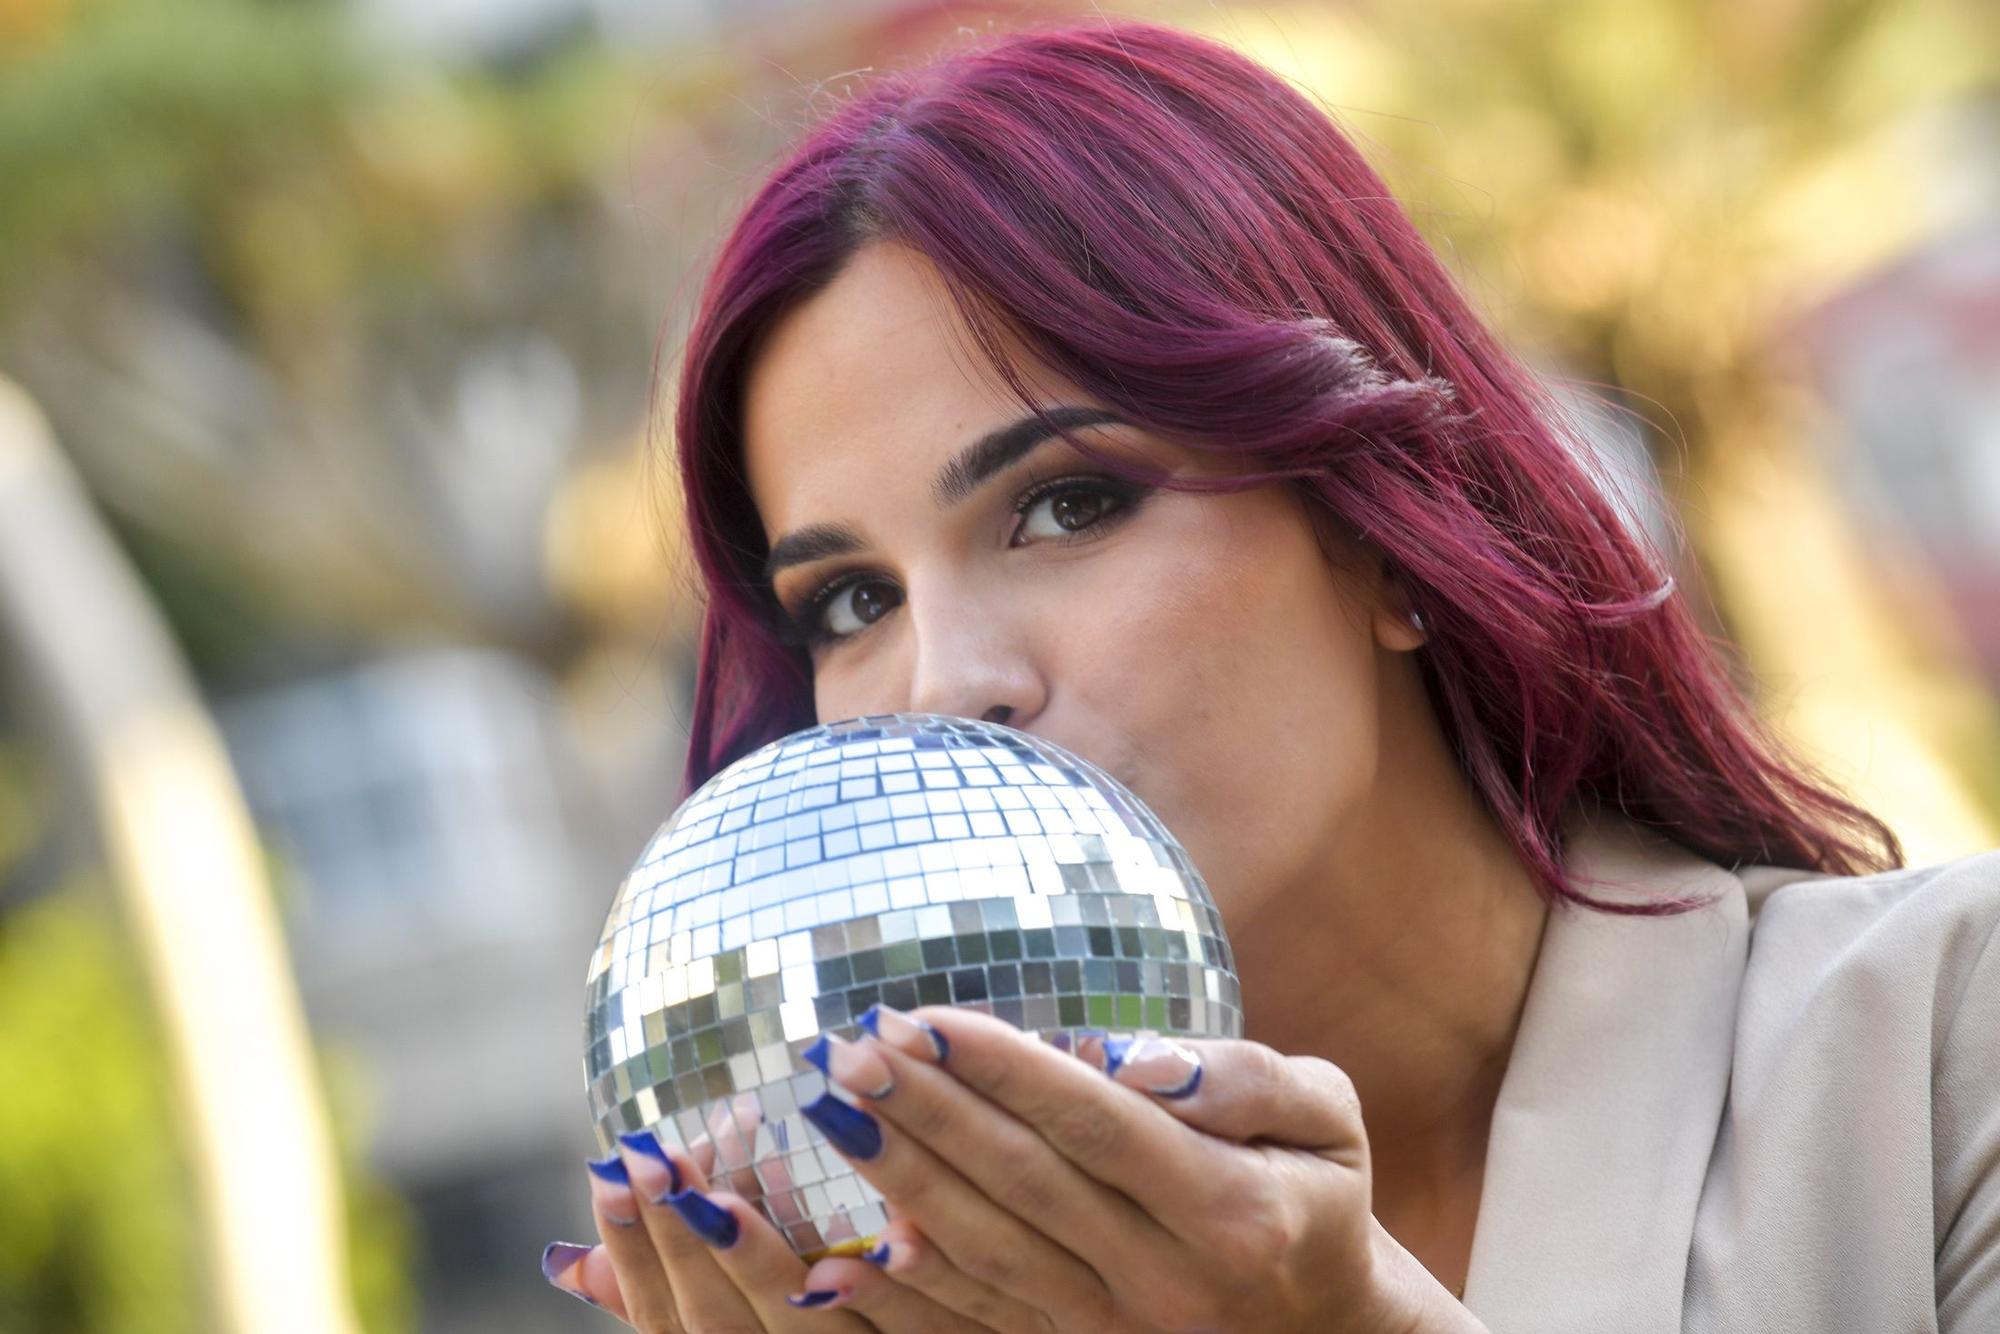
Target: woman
column 1089, row 381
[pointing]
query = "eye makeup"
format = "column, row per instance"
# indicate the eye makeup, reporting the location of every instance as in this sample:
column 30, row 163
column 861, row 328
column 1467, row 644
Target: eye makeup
column 805, row 625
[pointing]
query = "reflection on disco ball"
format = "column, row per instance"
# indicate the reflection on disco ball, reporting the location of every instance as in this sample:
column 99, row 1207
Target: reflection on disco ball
column 911, row 859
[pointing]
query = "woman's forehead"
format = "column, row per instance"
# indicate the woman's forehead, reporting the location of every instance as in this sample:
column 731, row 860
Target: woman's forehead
column 875, row 371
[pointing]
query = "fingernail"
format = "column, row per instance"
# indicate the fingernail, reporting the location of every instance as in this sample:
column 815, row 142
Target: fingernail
column 849, row 1129
column 732, row 1129
column 905, row 1033
column 645, row 1143
column 879, row 1255
column 710, row 1221
column 1155, row 1064
column 613, row 1189
column 816, row 1297
column 852, row 1065
column 558, row 1258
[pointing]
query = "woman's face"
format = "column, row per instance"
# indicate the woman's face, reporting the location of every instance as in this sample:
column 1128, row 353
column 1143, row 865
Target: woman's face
column 1201, row 648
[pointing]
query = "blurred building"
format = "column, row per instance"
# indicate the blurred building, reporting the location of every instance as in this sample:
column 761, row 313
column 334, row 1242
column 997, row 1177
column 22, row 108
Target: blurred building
column 447, row 854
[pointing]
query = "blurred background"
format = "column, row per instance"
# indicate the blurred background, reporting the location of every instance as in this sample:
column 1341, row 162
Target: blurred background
column 344, row 627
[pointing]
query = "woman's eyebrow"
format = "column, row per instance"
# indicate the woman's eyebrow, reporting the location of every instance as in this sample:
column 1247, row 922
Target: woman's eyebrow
column 965, row 470
column 961, row 475
column 814, row 542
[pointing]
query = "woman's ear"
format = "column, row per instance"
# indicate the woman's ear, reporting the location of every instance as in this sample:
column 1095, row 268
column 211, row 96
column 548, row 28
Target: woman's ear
column 1399, row 625
column 1396, row 623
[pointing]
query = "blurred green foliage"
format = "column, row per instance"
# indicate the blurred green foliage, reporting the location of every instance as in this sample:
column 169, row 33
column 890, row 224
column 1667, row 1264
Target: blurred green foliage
column 306, row 174
column 249, row 259
column 96, row 1232
column 112, row 111
column 100, row 1229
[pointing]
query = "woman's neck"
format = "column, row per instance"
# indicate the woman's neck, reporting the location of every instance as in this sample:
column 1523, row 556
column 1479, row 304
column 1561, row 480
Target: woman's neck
column 1406, row 962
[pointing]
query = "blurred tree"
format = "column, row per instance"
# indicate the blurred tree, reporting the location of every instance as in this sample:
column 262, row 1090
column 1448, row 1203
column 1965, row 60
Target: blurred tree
column 113, row 112
column 324, row 325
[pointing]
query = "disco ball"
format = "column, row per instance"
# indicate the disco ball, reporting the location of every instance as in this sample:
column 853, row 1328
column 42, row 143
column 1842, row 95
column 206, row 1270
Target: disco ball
column 911, row 859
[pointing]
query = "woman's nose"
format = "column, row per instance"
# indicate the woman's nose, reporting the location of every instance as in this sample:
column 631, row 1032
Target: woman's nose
column 969, row 664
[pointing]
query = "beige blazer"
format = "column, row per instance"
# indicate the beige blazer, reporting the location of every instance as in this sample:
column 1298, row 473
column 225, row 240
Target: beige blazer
column 1777, row 1113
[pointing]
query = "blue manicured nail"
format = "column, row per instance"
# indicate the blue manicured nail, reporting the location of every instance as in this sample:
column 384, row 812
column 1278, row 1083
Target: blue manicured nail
column 644, row 1141
column 813, row 1296
column 817, row 1054
column 849, row 1129
column 871, row 1023
column 1159, row 1065
column 879, row 1255
column 1186, row 1090
column 710, row 1221
column 616, row 1190
column 610, row 1169
column 558, row 1257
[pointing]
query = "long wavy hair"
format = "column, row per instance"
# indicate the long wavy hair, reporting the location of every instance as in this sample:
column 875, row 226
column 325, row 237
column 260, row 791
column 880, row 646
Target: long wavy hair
column 1175, row 229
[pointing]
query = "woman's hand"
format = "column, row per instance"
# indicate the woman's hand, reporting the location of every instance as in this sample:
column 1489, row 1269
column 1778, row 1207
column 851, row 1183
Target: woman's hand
column 1208, row 1185
column 686, row 1249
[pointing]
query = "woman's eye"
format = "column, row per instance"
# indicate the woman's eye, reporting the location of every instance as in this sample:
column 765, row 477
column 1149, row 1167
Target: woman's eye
column 1067, row 510
column 855, row 606
column 1062, row 511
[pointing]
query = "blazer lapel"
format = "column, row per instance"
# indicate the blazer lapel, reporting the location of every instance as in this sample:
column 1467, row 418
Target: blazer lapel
column 1614, row 1090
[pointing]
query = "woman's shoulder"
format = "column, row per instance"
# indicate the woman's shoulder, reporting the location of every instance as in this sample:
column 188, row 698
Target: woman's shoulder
column 1865, row 1029
column 1939, row 919
column 1894, row 974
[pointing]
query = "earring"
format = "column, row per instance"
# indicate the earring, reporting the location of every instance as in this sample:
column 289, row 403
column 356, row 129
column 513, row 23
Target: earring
column 1417, row 620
